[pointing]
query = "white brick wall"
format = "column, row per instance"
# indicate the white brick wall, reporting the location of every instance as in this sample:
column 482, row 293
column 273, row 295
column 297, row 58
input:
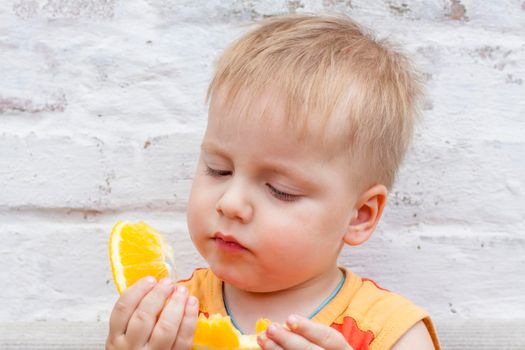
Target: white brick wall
column 102, row 109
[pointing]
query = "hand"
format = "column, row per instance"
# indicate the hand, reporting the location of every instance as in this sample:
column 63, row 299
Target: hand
column 302, row 334
column 150, row 315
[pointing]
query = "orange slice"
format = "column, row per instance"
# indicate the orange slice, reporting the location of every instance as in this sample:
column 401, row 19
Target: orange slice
column 218, row 333
column 136, row 251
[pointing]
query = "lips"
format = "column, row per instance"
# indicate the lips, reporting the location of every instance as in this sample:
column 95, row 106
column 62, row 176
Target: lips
column 227, row 243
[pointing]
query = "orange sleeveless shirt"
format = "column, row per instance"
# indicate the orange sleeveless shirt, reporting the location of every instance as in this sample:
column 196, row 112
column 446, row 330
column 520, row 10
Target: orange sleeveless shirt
column 368, row 316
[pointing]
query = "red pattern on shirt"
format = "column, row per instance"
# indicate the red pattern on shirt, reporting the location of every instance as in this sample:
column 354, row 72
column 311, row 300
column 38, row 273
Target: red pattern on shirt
column 374, row 283
column 358, row 339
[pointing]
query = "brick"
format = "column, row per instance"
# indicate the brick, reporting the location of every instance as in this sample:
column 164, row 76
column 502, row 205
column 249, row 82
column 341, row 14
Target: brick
column 90, row 173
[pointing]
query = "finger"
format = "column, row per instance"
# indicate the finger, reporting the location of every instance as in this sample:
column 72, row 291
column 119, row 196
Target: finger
column 127, row 303
column 266, row 343
column 144, row 318
column 286, row 339
column 187, row 327
column 167, row 326
column 317, row 333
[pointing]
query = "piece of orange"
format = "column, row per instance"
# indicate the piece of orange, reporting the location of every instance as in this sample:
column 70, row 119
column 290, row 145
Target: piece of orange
column 135, row 251
column 217, row 332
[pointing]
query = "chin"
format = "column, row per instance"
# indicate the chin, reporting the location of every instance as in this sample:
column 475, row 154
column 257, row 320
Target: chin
column 232, row 276
column 238, row 280
column 225, row 273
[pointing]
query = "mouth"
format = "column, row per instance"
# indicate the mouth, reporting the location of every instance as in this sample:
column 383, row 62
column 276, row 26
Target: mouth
column 228, row 243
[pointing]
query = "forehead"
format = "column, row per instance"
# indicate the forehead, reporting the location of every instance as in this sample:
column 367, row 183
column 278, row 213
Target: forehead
column 258, row 138
column 269, row 115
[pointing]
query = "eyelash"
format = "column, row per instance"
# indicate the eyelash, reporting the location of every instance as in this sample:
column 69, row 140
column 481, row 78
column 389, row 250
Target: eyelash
column 287, row 197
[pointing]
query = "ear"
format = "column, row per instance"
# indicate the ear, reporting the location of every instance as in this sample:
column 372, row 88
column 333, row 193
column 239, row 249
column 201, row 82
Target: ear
column 367, row 212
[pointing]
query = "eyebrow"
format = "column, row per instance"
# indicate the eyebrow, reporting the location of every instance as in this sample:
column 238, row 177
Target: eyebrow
column 273, row 167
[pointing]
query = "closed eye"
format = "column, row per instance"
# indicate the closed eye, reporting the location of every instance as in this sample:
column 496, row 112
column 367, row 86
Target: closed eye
column 287, row 197
column 284, row 196
column 217, row 172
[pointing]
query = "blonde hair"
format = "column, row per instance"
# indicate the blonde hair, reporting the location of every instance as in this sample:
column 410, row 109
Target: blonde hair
column 322, row 65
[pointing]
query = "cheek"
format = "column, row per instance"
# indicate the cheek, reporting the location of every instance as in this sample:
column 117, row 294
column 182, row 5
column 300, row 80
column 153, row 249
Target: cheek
column 198, row 206
column 287, row 229
column 308, row 229
column 192, row 215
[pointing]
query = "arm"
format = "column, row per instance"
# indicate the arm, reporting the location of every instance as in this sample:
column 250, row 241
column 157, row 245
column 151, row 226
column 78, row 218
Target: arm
column 416, row 337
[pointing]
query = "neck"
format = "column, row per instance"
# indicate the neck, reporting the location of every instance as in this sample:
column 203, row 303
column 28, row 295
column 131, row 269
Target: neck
column 246, row 307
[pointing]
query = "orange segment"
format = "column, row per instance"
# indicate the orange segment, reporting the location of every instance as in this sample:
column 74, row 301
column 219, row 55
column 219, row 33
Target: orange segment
column 202, row 331
column 217, row 332
column 261, row 325
column 136, row 251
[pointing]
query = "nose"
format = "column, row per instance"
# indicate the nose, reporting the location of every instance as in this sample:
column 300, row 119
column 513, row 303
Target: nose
column 234, row 204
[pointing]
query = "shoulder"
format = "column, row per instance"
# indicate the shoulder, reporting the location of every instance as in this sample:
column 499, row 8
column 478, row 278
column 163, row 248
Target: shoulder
column 387, row 318
column 417, row 337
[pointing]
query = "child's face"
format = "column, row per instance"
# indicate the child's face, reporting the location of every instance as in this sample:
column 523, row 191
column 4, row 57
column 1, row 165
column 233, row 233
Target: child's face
column 267, row 212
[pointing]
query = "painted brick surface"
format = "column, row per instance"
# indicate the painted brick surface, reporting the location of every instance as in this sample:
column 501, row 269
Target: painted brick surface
column 102, row 109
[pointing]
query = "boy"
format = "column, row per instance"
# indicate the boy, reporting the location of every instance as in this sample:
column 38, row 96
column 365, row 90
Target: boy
column 309, row 120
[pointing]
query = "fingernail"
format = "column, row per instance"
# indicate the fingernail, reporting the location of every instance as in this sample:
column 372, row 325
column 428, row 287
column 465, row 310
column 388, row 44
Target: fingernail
column 192, row 301
column 182, row 290
column 271, row 329
column 293, row 322
column 166, row 281
column 150, row 280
